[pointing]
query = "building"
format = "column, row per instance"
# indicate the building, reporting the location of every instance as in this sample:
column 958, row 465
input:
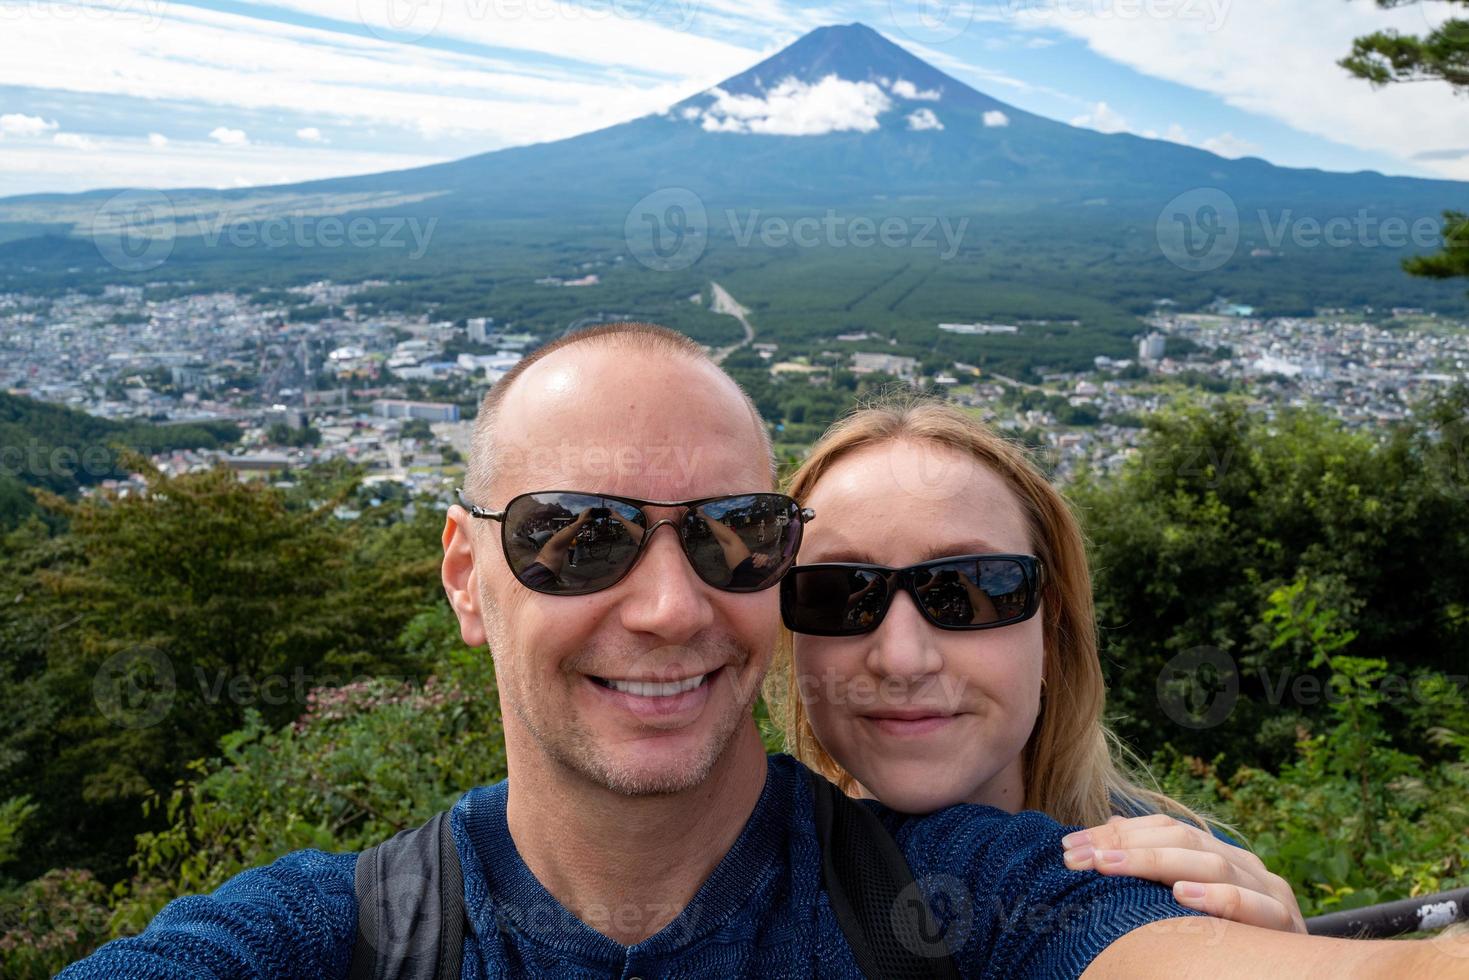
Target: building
column 480, row 328
column 402, row 408
column 1151, row 347
column 901, row 367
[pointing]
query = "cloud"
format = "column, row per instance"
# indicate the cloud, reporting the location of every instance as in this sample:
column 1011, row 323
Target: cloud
column 323, row 77
column 995, row 117
column 16, row 124
column 35, row 166
column 229, row 137
column 924, row 119
column 1103, row 118
column 1229, row 145
column 74, row 141
column 905, row 89
column 310, row 134
column 796, row 108
column 1441, row 155
column 1278, row 61
column 157, row 140
column 1225, row 144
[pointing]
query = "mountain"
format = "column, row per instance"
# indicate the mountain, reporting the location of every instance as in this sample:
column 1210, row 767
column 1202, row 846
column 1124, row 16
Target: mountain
column 840, row 119
column 985, row 149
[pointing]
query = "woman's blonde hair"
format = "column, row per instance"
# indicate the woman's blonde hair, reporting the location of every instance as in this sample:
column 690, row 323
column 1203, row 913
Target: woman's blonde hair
column 1075, row 769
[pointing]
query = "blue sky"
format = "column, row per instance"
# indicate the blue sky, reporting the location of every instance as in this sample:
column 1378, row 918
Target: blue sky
column 222, row 93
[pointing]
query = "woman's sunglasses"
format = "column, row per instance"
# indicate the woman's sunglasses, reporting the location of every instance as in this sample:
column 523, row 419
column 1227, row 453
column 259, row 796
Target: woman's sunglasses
column 965, row 592
column 569, row 542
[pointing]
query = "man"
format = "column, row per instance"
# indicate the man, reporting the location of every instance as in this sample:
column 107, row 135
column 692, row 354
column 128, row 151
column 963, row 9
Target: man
column 643, row 832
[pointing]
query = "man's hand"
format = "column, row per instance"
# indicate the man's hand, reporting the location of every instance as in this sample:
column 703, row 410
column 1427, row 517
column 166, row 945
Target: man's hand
column 1204, row 872
column 1217, row 949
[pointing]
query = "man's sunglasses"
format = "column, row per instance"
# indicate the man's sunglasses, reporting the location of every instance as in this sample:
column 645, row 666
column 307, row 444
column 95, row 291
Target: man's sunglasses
column 965, row 592
column 569, row 542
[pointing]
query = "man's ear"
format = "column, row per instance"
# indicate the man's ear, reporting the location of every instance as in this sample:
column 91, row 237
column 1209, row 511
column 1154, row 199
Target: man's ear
column 461, row 579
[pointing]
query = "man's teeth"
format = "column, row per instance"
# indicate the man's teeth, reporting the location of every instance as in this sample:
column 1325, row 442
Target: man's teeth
column 651, row 689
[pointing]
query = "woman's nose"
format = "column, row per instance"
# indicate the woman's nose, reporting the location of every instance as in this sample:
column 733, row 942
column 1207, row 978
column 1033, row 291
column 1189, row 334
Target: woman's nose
column 904, row 646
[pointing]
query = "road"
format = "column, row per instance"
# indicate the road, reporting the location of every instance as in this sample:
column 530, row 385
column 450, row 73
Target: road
column 725, row 303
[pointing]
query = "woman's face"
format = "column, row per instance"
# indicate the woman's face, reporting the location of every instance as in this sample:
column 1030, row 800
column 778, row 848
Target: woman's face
column 922, row 717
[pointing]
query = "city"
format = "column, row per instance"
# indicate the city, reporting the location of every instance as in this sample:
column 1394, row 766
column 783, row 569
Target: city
column 395, row 393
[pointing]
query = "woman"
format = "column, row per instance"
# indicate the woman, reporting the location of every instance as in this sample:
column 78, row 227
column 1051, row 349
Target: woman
column 960, row 664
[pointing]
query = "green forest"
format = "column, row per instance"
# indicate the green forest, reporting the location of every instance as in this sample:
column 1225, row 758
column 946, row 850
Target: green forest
column 214, row 673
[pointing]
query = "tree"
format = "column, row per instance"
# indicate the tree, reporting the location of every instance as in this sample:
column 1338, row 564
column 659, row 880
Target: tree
column 147, row 630
column 1222, row 507
column 1386, row 58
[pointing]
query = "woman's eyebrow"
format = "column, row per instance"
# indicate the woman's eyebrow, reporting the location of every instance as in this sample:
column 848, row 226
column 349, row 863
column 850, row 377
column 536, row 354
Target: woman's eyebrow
column 963, row 548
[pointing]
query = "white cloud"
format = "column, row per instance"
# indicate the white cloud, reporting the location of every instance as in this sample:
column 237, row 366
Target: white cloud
column 1229, row 145
column 924, row 119
column 39, row 165
column 17, row 124
column 995, row 117
column 1279, row 61
column 796, row 108
column 1225, row 144
column 199, row 56
column 74, row 141
column 310, row 134
column 905, row 89
column 229, row 137
column 157, row 140
column 1101, row 117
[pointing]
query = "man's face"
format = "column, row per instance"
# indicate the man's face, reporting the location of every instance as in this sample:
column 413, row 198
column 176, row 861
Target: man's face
column 611, row 420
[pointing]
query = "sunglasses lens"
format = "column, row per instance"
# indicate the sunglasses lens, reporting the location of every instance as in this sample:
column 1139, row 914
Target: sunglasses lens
column 985, row 592
column 832, row 601
column 743, row 543
column 571, row 543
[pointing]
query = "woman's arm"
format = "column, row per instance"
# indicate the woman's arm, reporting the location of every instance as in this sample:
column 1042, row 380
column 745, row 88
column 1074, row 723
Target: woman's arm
column 1204, row 872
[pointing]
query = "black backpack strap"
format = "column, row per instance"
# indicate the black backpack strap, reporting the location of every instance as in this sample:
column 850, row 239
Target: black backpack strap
column 882, row 912
column 410, row 906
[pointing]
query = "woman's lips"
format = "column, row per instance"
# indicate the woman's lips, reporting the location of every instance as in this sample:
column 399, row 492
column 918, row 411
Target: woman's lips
column 908, row 724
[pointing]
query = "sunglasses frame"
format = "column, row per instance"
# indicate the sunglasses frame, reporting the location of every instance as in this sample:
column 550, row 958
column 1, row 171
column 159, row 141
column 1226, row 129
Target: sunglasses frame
column 1031, row 566
column 806, row 515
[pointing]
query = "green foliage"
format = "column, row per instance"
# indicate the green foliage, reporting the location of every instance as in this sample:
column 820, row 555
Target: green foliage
column 281, row 434
column 1384, row 57
column 14, row 814
column 59, row 449
column 50, row 922
column 1222, row 506
column 145, row 633
column 1388, row 57
column 1350, row 821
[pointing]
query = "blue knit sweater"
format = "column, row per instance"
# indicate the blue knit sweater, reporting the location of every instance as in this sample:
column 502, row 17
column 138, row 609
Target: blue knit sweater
column 1012, row 908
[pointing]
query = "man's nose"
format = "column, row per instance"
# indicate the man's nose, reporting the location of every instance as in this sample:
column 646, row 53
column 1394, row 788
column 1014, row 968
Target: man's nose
column 664, row 596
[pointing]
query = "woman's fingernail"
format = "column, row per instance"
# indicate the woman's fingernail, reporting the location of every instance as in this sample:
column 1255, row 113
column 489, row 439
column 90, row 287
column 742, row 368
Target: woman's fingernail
column 1078, row 856
column 1112, row 857
column 1078, row 839
column 1190, row 890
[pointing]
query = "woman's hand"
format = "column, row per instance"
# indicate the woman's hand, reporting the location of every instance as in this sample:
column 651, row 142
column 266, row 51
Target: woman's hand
column 1205, row 873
